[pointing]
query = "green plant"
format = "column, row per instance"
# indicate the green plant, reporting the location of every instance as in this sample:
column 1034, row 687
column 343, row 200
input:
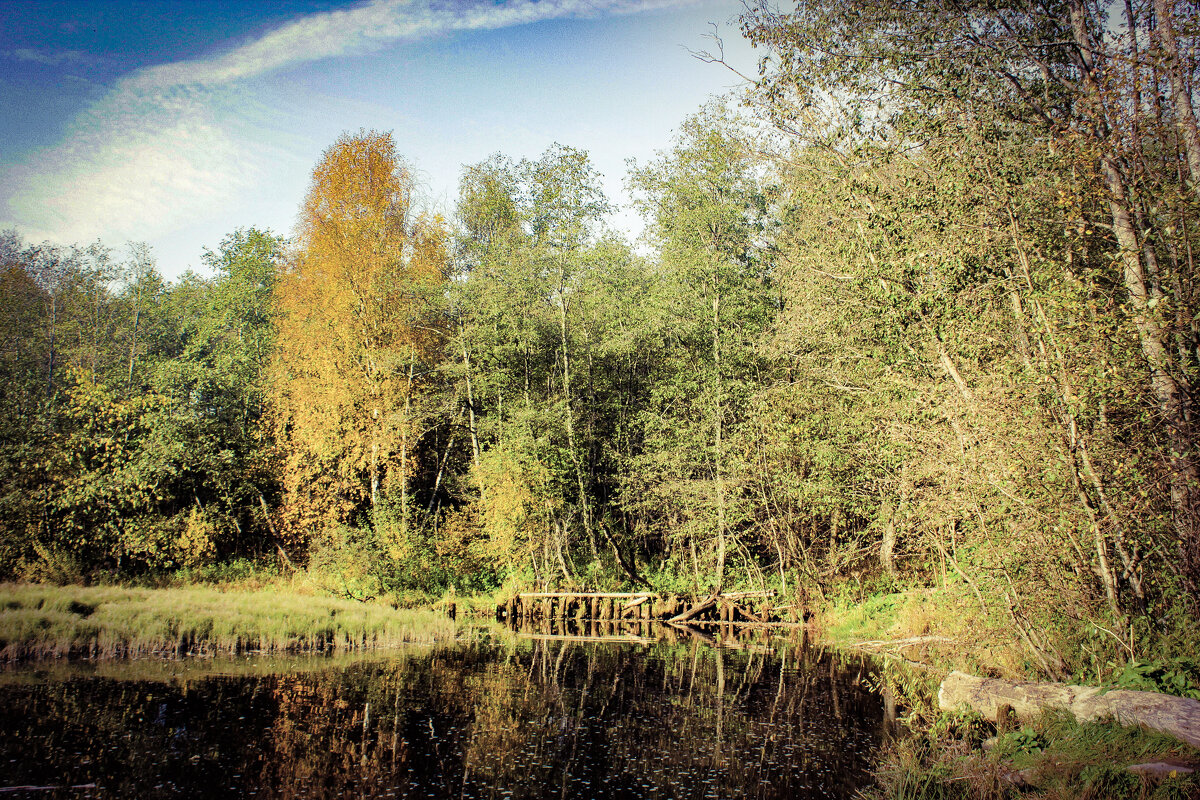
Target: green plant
column 1180, row 676
column 1022, row 742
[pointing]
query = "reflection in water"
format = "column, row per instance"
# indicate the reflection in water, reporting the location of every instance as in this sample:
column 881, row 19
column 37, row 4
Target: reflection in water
column 501, row 717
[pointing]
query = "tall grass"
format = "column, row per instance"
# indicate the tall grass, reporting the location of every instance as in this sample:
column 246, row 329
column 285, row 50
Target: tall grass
column 40, row 621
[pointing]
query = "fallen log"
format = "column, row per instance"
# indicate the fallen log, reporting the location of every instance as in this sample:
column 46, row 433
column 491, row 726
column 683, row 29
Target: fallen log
column 699, row 608
column 875, row 645
column 1177, row 716
column 749, row 615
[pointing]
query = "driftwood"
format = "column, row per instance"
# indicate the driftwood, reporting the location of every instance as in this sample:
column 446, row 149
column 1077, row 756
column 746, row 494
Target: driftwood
column 1177, row 716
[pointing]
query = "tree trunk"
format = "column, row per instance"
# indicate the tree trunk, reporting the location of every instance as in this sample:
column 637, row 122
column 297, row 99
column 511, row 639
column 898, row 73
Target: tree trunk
column 719, row 446
column 1185, row 113
column 1153, row 338
column 470, row 404
column 137, row 316
column 887, row 549
column 1153, row 335
column 575, row 460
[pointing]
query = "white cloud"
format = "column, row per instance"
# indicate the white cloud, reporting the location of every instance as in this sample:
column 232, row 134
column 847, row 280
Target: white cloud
column 368, row 27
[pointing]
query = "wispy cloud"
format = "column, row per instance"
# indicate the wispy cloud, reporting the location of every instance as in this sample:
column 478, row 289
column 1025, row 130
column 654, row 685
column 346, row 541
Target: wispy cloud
column 162, row 149
column 368, row 27
column 129, row 170
column 52, row 58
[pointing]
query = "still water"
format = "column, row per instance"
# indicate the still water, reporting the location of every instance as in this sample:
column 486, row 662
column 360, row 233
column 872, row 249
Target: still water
column 497, row 715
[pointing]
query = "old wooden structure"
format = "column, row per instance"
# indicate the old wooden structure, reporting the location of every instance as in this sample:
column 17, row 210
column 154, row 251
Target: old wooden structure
column 742, row 608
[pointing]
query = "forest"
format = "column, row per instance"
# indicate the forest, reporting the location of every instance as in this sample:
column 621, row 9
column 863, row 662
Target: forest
column 916, row 311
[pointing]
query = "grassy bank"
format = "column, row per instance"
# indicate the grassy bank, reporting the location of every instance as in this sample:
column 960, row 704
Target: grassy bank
column 923, row 634
column 43, row 621
column 1053, row 758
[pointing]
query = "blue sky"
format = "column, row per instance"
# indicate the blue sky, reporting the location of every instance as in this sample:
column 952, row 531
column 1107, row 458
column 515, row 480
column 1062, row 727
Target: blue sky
column 174, row 123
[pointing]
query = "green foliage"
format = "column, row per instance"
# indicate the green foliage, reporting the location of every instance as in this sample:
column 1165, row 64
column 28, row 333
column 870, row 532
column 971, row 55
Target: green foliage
column 235, row 571
column 1058, row 757
column 1179, row 677
column 1023, row 741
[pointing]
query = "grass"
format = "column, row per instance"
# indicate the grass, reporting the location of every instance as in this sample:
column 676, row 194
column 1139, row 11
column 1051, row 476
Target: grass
column 1072, row 759
column 43, row 621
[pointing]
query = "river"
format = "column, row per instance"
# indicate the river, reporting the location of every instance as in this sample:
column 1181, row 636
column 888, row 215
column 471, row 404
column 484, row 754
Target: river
column 497, row 714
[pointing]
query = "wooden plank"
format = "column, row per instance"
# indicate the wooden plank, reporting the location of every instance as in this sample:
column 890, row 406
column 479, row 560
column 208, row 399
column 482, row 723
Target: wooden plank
column 617, row 595
column 568, row 637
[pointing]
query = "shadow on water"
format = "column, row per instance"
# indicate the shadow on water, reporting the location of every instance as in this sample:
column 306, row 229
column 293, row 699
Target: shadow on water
column 651, row 712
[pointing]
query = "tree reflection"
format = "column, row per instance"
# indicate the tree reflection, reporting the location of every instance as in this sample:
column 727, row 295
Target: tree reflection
column 519, row 718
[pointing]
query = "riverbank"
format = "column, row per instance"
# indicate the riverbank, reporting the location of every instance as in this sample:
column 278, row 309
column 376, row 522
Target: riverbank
column 46, row 621
column 922, row 635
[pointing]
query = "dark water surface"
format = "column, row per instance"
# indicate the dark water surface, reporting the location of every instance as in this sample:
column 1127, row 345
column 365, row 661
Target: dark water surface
column 496, row 716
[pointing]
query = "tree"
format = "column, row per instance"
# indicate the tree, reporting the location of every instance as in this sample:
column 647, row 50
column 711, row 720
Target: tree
column 1075, row 77
column 357, row 324
column 708, row 202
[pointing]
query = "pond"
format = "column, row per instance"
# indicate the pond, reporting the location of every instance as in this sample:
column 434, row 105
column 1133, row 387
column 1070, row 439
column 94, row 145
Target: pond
column 499, row 714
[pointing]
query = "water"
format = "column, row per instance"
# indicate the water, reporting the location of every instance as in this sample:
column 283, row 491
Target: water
column 495, row 716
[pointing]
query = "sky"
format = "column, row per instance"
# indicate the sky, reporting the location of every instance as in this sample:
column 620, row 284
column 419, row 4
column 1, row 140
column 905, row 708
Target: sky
column 175, row 122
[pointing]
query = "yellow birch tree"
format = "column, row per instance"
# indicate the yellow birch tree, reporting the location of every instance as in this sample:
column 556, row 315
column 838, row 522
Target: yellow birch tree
column 356, row 322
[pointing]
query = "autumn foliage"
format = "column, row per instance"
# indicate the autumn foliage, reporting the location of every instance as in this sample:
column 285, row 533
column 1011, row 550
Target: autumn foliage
column 357, row 319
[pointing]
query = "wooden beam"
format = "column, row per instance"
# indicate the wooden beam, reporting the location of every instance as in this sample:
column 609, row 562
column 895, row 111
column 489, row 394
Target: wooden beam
column 615, row 595
column 566, row 637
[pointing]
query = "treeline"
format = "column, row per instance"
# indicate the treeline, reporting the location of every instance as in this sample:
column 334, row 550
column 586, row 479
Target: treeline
column 923, row 313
